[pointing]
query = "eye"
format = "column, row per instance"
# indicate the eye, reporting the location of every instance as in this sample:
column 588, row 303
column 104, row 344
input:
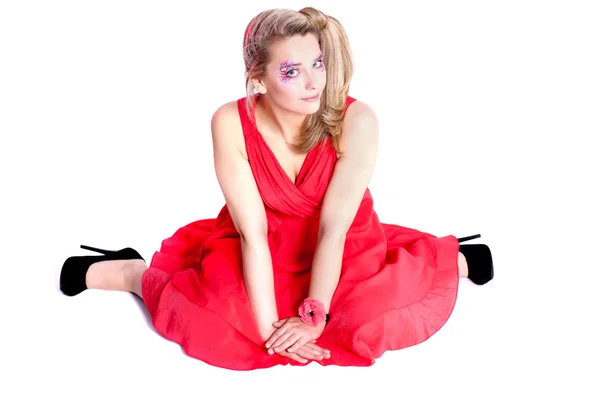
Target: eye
column 320, row 66
column 290, row 71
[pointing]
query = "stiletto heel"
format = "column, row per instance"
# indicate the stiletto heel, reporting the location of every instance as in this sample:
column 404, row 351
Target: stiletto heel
column 83, row 246
column 74, row 269
column 479, row 260
column 464, row 239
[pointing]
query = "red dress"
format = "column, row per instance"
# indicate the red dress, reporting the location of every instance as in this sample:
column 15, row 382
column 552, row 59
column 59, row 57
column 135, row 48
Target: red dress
column 397, row 287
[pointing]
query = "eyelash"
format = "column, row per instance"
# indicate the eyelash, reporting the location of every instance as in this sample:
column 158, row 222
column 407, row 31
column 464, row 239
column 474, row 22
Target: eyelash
column 286, row 77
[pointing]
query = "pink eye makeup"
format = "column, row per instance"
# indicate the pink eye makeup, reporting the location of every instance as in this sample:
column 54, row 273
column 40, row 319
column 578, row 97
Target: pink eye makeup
column 320, row 60
column 287, row 67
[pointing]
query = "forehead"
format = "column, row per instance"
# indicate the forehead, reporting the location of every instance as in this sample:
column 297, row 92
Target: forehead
column 301, row 49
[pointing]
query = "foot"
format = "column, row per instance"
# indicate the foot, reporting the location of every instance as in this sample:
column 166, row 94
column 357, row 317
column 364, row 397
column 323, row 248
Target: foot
column 481, row 268
column 463, row 267
column 113, row 274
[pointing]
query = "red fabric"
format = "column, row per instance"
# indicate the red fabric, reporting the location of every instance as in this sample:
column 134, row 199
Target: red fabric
column 398, row 285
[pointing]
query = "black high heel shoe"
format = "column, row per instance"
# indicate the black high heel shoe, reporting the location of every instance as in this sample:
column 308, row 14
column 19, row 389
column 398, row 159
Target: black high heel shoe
column 72, row 274
column 479, row 260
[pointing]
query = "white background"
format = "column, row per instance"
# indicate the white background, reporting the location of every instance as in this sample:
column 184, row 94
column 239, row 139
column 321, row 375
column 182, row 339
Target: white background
column 488, row 111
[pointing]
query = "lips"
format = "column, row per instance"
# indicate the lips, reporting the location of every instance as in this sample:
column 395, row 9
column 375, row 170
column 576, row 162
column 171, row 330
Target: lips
column 315, row 97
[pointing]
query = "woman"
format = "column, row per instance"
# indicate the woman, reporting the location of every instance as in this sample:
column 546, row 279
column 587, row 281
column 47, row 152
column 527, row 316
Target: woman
column 296, row 266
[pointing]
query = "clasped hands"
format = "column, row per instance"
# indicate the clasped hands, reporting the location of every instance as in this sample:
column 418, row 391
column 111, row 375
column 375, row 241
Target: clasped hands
column 295, row 339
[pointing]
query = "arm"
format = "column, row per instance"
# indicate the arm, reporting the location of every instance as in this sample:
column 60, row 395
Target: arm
column 353, row 171
column 247, row 212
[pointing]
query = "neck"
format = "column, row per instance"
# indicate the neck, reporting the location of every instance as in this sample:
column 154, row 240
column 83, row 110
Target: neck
column 280, row 121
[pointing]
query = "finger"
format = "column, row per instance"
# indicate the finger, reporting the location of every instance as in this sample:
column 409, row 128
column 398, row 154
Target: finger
column 280, row 339
column 326, row 353
column 293, row 356
column 316, row 348
column 310, row 349
column 276, row 335
column 299, row 343
column 306, row 353
column 275, row 346
column 321, row 353
column 287, row 342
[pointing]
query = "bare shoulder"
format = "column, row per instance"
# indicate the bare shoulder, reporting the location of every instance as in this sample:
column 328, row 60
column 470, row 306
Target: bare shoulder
column 360, row 125
column 226, row 126
column 360, row 109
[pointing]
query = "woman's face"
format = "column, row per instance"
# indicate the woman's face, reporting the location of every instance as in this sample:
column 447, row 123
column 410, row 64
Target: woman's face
column 296, row 72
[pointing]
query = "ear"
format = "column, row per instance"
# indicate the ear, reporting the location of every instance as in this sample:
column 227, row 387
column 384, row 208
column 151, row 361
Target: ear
column 259, row 86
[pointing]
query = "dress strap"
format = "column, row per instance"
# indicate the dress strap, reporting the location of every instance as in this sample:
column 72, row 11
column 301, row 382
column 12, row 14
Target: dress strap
column 349, row 100
column 247, row 124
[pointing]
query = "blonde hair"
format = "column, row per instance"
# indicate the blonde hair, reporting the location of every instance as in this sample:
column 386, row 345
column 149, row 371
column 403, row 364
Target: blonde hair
column 277, row 24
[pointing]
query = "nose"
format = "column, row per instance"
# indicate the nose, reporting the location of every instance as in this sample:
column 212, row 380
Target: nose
column 310, row 83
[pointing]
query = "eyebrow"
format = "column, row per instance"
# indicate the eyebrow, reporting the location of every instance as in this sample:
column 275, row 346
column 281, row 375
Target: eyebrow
column 287, row 64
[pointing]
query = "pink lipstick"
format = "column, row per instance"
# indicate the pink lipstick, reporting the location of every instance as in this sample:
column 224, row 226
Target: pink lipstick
column 315, row 98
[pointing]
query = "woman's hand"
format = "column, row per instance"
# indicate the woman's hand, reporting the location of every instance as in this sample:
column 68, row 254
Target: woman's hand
column 292, row 334
column 310, row 351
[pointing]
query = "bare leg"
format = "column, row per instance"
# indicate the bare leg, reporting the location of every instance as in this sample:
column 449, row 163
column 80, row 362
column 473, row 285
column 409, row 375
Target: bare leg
column 122, row 275
column 463, row 269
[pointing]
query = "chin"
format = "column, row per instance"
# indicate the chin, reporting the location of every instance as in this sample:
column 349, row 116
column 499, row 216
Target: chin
column 311, row 108
column 306, row 110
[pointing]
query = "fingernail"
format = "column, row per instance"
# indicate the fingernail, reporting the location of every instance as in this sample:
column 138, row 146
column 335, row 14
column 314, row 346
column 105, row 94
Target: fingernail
column 303, row 361
column 270, row 351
